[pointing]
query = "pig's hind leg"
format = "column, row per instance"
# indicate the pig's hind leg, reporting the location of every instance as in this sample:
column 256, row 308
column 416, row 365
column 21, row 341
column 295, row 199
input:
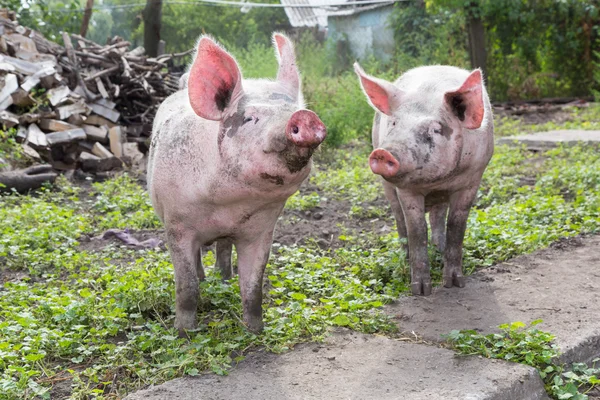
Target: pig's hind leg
column 185, row 255
column 460, row 205
column 437, row 220
column 224, row 248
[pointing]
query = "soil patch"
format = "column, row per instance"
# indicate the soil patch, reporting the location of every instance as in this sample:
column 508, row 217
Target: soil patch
column 326, row 222
column 541, row 116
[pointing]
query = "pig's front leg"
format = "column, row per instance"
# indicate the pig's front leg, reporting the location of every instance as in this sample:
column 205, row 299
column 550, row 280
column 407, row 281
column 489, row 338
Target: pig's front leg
column 413, row 206
column 392, row 196
column 185, row 256
column 224, row 248
column 460, row 204
column 253, row 254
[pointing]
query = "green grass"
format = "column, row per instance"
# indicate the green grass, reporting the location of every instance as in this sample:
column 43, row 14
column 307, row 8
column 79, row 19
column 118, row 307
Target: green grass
column 104, row 319
column 580, row 118
column 528, row 345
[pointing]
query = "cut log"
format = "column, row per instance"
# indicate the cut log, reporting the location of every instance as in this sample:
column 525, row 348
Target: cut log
column 36, row 138
column 87, row 156
column 9, row 85
column 100, row 164
column 115, row 135
column 101, row 151
column 21, row 134
column 6, row 67
column 25, row 67
column 96, row 134
column 86, row 145
column 98, row 121
column 106, row 103
column 130, row 150
column 75, row 119
column 101, row 88
column 22, row 99
column 34, row 80
column 27, row 49
column 30, row 152
column 65, row 137
column 8, row 119
column 59, row 95
column 78, row 107
column 105, row 112
column 55, row 125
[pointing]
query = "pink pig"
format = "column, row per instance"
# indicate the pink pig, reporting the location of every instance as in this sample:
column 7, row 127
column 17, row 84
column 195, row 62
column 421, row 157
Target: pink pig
column 433, row 138
column 226, row 154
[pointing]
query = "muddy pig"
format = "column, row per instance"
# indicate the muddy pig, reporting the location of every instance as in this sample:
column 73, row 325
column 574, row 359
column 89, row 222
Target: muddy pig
column 432, row 139
column 226, row 153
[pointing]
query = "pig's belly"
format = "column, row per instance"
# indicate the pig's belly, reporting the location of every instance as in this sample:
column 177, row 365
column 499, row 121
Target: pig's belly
column 435, row 198
column 243, row 221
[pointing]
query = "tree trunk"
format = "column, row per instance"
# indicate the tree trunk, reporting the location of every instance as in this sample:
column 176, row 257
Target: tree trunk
column 86, row 17
column 477, row 51
column 152, row 18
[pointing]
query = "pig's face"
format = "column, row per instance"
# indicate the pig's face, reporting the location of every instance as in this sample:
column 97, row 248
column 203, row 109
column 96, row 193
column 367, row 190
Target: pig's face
column 420, row 135
column 416, row 148
column 264, row 131
column 270, row 136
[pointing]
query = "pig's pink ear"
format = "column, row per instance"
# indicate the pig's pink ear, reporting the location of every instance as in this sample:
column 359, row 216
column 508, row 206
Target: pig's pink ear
column 467, row 101
column 382, row 95
column 288, row 74
column 215, row 81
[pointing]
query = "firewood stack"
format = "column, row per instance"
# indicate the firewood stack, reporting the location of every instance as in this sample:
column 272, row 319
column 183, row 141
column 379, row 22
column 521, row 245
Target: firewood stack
column 82, row 105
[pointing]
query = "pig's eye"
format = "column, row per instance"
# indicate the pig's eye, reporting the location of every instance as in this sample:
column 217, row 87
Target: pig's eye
column 436, row 128
column 247, row 119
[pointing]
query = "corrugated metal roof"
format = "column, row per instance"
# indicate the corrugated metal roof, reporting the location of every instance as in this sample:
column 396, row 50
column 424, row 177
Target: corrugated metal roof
column 343, row 11
column 307, row 16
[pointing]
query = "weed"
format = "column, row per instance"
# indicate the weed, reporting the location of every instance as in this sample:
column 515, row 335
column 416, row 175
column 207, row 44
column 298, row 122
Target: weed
column 528, row 345
column 305, row 202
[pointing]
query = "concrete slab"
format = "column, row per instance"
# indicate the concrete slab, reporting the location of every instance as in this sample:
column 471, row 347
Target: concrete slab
column 544, row 140
column 355, row 366
column 560, row 285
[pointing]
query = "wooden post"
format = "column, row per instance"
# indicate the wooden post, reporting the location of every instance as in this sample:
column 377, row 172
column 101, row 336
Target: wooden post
column 152, row 24
column 87, row 15
column 477, row 51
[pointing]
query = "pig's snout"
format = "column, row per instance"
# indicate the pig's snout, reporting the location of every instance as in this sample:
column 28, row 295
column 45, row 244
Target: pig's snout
column 305, row 129
column 383, row 163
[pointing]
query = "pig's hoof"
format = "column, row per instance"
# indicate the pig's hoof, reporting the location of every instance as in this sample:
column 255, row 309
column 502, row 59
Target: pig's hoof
column 254, row 325
column 421, row 287
column 184, row 322
column 182, row 333
column 454, row 280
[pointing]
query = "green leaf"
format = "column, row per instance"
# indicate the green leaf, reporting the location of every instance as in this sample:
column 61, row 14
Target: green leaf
column 341, row 320
column 34, row 357
column 297, row 296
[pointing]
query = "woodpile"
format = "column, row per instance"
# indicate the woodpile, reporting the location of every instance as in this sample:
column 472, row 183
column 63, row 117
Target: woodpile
column 82, row 104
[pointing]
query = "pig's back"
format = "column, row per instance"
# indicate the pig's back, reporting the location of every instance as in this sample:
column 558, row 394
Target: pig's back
column 432, row 79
